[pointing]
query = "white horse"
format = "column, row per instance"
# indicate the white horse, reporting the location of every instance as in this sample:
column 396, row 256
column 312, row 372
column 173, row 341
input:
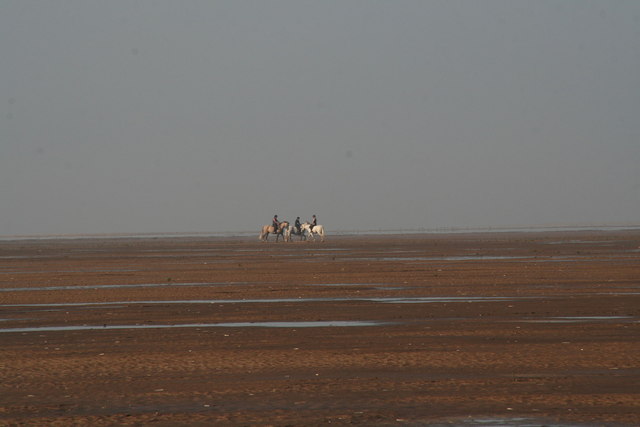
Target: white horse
column 266, row 229
column 317, row 229
column 291, row 230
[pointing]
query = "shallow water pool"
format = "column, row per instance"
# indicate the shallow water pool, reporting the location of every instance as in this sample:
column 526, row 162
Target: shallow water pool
column 317, row 324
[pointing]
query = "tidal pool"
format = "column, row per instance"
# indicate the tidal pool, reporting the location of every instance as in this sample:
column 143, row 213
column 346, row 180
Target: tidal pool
column 117, row 270
column 446, row 258
column 400, row 300
column 507, row 422
column 93, row 287
column 577, row 319
column 317, row 324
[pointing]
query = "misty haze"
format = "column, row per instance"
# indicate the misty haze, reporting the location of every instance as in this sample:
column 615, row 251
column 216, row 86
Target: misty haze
column 197, row 116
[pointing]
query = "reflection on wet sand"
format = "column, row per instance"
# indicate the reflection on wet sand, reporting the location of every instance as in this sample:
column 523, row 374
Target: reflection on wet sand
column 93, row 287
column 577, row 319
column 398, row 300
column 316, row 324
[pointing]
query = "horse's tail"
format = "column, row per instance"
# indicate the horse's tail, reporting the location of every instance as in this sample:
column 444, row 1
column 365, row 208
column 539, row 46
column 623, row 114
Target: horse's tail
column 263, row 233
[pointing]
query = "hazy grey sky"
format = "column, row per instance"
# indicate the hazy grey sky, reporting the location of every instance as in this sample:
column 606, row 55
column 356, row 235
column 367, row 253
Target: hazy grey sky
column 180, row 116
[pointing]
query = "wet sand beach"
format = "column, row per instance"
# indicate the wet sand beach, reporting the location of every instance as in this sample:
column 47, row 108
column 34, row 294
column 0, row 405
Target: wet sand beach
column 512, row 328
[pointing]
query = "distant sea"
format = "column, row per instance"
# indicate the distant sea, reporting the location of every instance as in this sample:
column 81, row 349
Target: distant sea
column 338, row 232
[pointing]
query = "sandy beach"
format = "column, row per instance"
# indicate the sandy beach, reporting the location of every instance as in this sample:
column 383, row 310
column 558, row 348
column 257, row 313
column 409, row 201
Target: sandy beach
column 512, row 328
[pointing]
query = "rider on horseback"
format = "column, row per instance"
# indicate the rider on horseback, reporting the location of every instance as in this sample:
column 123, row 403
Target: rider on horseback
column 298, row 225
column 314, row 222
column 276, row 224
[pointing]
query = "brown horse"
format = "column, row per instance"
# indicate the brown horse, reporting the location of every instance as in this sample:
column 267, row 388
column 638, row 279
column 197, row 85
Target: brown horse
column 266, row 229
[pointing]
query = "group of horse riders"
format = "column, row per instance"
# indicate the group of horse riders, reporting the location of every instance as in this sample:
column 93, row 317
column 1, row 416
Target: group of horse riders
column 276, row 224
column 282, row 229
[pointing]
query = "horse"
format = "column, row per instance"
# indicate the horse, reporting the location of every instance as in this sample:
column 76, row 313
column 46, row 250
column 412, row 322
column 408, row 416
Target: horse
column 266, row 229
column 318, row 229
column 292, row 230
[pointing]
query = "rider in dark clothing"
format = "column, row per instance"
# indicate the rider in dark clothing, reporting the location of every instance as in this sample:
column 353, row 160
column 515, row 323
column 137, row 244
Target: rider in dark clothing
column 298, row 225
column 314, row 222
column 275, row 223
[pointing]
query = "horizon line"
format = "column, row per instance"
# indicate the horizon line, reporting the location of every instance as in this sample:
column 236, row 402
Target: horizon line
column 344, row 232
